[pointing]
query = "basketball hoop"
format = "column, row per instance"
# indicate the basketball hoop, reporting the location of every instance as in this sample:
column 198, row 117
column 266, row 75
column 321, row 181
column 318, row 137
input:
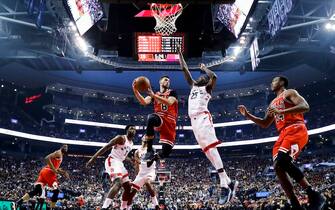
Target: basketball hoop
column 166, row 16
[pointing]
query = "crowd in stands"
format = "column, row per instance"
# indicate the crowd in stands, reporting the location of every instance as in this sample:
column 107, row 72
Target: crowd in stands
column 191, row 186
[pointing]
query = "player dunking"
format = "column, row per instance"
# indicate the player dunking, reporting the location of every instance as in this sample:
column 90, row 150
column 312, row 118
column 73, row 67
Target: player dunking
column 164, row 119
column 287, row 111
column 48, row 176
column 202, row 124
column 120, row 146
column 145, row 176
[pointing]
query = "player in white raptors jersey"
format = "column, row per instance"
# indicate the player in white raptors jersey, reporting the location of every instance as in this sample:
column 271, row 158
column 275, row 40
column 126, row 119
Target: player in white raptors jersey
column 120, row 146
column 145, row 176
column 202, row 124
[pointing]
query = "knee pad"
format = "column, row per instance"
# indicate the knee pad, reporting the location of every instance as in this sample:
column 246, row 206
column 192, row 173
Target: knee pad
column 153, row 121
column 166, row 150
column 37, row 191
column 55, row 195
column 284, row 161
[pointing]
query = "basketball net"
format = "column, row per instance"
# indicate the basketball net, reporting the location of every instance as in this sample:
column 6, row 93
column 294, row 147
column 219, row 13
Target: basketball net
column 166, row 16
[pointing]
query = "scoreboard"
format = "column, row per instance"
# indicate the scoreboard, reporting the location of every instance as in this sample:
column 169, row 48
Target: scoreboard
column 152, row 47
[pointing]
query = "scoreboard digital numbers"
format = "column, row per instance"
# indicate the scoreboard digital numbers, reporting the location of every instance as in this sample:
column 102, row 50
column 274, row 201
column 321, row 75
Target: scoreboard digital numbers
column 153, row 47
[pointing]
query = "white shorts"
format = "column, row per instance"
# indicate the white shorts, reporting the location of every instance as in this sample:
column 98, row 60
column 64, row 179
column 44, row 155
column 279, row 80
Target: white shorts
column 142, row 178
column 204, row 131
column 116, row 169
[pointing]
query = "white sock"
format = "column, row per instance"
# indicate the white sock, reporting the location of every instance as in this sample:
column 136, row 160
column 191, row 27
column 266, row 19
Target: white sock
column 224, row 179
column 214, row 156
column 124, row 204
column 107, row 203
column 154, row 201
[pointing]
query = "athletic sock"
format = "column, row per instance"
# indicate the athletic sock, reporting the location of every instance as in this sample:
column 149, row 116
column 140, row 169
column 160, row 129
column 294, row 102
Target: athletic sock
column 154, row 201
column 107, row 203
column 214, row 156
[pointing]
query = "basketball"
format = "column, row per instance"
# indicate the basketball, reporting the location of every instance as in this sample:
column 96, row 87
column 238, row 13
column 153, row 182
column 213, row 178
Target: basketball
column 142, row 83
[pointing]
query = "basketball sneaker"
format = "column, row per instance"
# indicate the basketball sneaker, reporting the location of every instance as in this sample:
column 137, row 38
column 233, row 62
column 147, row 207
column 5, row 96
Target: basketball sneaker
column 225, row 195
column 316, row 200
column 233, row 186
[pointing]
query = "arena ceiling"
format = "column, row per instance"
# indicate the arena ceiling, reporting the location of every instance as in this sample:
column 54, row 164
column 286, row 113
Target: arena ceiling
column 29, row 55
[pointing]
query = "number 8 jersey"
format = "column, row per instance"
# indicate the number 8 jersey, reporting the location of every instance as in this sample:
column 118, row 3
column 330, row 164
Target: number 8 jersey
column 198, row 100
column 165, row 111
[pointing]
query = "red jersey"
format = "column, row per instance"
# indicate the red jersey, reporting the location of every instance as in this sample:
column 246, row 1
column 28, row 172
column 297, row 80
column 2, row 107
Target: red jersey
column 284, row 120
column 56, row 162
column 170, row 112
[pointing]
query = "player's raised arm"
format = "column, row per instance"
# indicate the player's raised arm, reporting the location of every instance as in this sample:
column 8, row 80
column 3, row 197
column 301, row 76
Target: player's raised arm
column 167, row 101
column 184, row 67
column 301, row 105
column 263, row 122
column 212, row 77
column 116, row 140
column 144, row 101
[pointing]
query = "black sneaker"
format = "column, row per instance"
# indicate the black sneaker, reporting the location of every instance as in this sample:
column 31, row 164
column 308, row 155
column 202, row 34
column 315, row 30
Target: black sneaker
column 316, row 200
column 225, row 195
column 152, row 160
column 233, row 186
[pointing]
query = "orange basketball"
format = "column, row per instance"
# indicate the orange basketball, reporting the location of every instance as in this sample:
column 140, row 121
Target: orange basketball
column 142, row 83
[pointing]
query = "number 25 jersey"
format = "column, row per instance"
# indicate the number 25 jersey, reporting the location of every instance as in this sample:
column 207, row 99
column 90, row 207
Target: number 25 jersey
column 198, row 100
column 284, row 120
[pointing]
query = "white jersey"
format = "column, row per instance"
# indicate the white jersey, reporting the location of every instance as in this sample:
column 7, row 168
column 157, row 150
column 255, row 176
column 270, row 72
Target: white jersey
column 145, row 174
column 143, row 165
column 198, row 100
column 120, row 151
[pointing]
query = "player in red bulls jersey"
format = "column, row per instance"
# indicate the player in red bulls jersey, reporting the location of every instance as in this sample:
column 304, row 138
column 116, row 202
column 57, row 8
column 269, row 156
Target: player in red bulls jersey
column 48, row 176
column 164, row 119
column 286, row 110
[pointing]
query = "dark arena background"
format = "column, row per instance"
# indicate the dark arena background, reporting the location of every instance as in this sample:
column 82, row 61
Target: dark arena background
column 67, row 69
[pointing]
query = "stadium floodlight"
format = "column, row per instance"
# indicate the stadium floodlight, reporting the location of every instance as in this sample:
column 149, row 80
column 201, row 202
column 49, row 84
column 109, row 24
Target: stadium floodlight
column 72, row 26
column 328, row 26
column 237, row 50
column 81, row 44
column 242, row 40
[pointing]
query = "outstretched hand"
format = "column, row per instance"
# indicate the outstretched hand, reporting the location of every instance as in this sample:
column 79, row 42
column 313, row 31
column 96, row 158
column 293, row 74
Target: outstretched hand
column 243, row 110
column 202, row 66
column 63, row 173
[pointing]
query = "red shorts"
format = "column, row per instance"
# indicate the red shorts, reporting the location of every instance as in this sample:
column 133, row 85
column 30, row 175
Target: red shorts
column 167, row 131
column 292, row 139
column 47, row 177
